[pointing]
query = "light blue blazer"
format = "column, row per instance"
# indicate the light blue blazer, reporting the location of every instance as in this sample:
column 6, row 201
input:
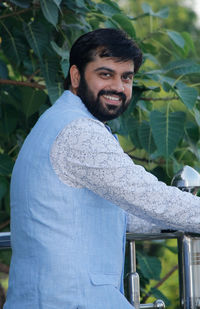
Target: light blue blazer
column 68, row 243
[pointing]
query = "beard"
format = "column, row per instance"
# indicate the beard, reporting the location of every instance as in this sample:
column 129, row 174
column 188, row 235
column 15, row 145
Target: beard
column 94, row 105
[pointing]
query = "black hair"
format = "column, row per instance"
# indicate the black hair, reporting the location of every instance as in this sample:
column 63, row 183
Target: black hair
column 106, row 42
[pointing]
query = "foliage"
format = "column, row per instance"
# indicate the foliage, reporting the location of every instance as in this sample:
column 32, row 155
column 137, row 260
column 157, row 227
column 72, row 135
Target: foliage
column 160, row 129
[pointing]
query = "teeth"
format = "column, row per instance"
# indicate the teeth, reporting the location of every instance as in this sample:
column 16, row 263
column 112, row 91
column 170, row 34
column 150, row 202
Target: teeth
column 111, row 98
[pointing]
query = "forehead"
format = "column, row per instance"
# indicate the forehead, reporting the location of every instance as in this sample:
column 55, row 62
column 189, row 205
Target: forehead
column 110, row 63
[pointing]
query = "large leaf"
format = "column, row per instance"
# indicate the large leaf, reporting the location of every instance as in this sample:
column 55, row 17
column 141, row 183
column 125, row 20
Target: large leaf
column 22, row 3
column 57, row 2
column 197, row 116
column 3, row 70
column 188, row 95
column 113, row 4
column 54, row 91
column 163, row 13
column 6, row 165
column 31, row 101
column 189, row 46
column 176, row 38
column 65, row 67
column 36, row 37
column 11, row 44
column 150, row 267
column 3, row 186
column 133, row 131
column 9, row 119
column 183, row 67
column 62, row 52
column 167, row 130
column 80, row 3
column 107, row 10
column 50, row 68
column 146, row 138
column 50, row 11
column 125, row 23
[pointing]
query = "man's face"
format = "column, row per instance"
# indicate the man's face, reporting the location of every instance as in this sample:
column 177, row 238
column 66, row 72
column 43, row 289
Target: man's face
column 106, row 87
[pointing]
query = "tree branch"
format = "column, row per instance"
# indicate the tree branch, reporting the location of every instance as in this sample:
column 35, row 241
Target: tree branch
column 159, row 99
column 160, row 282
column 4, row 224
column 29, row 79
column 139, row 159
column 20, row 83
column 15, row 13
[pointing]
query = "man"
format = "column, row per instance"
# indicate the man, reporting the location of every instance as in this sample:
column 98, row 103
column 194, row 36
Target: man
column 73, row 188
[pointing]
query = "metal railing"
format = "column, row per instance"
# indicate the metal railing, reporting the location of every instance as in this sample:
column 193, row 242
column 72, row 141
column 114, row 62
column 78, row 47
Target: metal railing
column 187, row 179
column 5, row 240
column 188, row 260
column 188, row 266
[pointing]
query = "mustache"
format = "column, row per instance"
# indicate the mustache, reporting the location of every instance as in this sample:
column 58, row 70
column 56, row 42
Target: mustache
column 110, row 92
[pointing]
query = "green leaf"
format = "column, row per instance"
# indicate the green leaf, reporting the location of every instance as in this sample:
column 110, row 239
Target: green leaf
column 6, row 165
column 65, row 67
column 3, row 70
column 64, row 53
column 176, row 38
column 125, row 23
column 80, row 3
column 57, row 2
column 150, row 267
column 118, row 126
column 107, row 10
column 50, row 69
column 188, row 95
column 113, row 4
column 11, row 44
column 167, row 130
column 50, row 11
column 150, row 57
column 172, row 249
column 133, row 131
column 36, row 37
column 9, row 119
column 163, row 13
column 3, row 186
column 192, row 131
column 54, row 91
column 189, row 41
column 183, row 67
column 146, row 138
column 31, row 101
column 197, row 116
column 136, row 94
column 22, row 3
column 159, row 295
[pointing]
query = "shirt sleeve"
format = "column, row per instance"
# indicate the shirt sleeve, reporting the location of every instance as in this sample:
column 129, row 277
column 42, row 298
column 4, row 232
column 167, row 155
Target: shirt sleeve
column 87, row 155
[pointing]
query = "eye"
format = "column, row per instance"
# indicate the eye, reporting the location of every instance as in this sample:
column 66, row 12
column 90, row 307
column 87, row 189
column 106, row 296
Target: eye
column 127, row 77
column 105, row 74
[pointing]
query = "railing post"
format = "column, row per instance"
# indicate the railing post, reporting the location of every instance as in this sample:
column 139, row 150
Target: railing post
column 189, row 271
column 133, row 278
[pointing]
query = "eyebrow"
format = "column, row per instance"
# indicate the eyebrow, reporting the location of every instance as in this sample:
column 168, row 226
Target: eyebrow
column 112, row 71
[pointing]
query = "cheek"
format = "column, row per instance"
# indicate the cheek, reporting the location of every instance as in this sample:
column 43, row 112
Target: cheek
column 97, row 86
column 128, row 92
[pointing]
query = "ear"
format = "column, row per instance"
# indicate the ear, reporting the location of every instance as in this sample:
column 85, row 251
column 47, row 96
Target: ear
column 75, row 78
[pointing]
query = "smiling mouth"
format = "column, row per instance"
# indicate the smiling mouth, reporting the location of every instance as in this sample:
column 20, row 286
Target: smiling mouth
column 113, row 100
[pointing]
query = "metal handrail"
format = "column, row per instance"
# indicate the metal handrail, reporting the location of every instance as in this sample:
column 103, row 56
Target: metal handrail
column 189, row 268
column 5, row 242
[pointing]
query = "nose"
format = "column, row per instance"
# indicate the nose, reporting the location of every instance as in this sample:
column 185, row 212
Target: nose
column 118, row 85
